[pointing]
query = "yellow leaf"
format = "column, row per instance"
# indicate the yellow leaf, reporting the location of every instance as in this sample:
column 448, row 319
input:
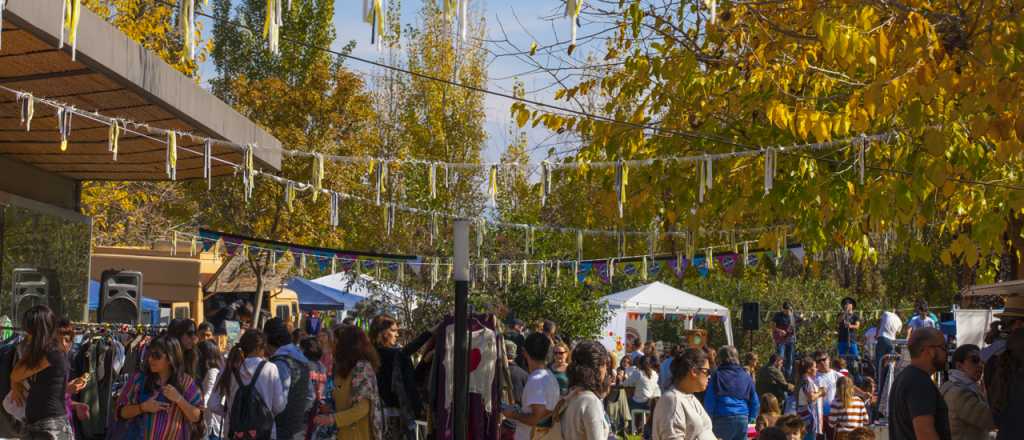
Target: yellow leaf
column 522, row 117
column 934, row 142
column 533, row 48
column 883, row 46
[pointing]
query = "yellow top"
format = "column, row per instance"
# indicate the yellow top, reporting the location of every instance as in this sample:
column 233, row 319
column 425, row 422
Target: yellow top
column 353, row 421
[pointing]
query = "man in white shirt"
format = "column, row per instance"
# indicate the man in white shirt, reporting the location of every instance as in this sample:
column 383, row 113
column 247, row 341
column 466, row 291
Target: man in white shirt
column 889, row 325
column 541, row 393
column 826, row 378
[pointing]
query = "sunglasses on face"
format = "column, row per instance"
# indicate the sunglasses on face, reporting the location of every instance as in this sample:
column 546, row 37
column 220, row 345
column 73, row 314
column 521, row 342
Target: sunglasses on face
column 156, row 355
column 559, row 352
column 822, row 359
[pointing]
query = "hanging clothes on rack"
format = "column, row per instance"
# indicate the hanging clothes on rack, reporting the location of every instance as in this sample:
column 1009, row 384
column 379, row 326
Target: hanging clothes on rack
column 489, row 382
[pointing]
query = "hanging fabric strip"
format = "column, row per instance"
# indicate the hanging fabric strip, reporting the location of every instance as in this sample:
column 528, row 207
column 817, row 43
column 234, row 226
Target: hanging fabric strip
column 71, row 11
column 187, row 21
column 378, row 181
column 391, row 218
column 272, row 25
column 746, row 253
column 302, row 263
column 208, row 163
column 318, row 174
column 432, row 180
column 334, row 265
column 769, row 169
column 373, row 13
column 545, row 183
column 433, row 273
column 451, row 268
column 174, row 243
column 249, row 171
column 483, row 270
column 433, row 226
column 529, row 240
column 690, row 250
column 289, row 195
column 172, row 155
column 710, row 257
column 575, row 273
column 712, row 8
column 193, row 247
column 611, row 270
column 525, row 276
column 113, row 137
column 643, row 268
column 64, row 125
column 28, row 106
column 541, row 276
column 333, row 211
column 492, row 187
column 701, row 181
column 621, row 179
column 558, row 271
column 572, row 11
column 463, row 17
column 579, row 244
column 679, row 261
column 501, row 274
column 710, row 174
column 481, row 230
column 652, row 239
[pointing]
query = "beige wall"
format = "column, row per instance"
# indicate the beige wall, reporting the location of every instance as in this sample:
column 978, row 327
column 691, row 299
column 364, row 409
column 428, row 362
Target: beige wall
column 165, row 278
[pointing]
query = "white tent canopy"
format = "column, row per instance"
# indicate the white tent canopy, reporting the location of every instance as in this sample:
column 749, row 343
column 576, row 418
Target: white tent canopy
column 658, row 297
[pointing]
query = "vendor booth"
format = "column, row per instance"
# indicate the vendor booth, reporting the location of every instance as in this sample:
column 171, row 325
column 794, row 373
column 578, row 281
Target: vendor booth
column 632, row 308
column 313, row 296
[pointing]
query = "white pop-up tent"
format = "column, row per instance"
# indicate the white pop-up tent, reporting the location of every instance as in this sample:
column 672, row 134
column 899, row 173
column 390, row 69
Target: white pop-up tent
column 653, row 299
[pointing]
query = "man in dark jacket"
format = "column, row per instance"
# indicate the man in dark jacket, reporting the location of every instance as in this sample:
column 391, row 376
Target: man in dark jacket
column 770, row 379
column 293, row 369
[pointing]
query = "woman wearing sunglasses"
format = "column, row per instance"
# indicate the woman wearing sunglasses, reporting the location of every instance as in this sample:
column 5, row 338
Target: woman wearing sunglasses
column 969, row 414
column 160, row 402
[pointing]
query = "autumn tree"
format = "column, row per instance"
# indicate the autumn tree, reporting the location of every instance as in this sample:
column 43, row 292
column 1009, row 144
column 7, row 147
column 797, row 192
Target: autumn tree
column 942, row 76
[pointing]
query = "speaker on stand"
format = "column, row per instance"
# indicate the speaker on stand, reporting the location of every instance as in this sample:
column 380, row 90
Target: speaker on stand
column 751, row 318
column 120, row 297
column 32, row 287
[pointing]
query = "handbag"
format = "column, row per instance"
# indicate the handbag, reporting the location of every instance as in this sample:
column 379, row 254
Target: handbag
column 553, row 432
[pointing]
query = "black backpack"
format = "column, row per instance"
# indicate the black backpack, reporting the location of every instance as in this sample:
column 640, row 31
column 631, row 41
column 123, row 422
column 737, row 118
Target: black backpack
column 250, row 418
column 291, row 423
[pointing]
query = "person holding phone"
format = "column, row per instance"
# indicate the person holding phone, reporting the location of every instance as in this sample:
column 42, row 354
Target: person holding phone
column 161, row 401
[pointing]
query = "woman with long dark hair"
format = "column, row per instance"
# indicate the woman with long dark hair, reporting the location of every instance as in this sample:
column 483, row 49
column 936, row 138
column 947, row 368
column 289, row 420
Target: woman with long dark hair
column 243, row 360
column 211, row 363
column 357, row 413
column 402, row 403
column 161, row 401
column 1007, row 398
column 43, row 369
column 184, row 330
column 583, row 416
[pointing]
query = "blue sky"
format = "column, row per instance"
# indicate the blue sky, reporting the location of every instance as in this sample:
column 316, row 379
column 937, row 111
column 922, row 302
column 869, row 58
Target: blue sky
column 523, row 22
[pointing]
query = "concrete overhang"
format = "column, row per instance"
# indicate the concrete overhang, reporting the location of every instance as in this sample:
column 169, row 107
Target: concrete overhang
column 114, row 76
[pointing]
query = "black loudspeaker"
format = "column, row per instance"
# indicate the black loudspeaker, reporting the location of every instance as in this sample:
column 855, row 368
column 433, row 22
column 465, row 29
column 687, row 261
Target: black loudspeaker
column 120, row 296
column 32, row 287
column 751, row 316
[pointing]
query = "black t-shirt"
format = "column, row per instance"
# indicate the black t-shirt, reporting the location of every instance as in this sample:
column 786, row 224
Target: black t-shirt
column 914, row 394
column 845, row 333
column 781, row 320
column 46, row 392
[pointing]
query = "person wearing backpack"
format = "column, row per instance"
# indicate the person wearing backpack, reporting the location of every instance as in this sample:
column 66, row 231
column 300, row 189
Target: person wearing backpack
column 161, row 401
column 248, row 393
column 354, row 398
column 293, row 371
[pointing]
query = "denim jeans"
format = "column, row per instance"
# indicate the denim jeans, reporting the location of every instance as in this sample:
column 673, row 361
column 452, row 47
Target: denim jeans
column 52, row 428
column 882, row 348
column 786, row 351
column 730, row 427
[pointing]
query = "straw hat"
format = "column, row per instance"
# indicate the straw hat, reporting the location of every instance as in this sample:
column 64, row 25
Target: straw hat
column 1014, row 308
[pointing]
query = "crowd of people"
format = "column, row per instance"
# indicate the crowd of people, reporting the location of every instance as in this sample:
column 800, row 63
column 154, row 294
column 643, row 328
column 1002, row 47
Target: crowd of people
column 344, row 382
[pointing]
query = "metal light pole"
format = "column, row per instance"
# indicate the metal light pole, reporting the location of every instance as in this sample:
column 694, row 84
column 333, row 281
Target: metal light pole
column 461, row 348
